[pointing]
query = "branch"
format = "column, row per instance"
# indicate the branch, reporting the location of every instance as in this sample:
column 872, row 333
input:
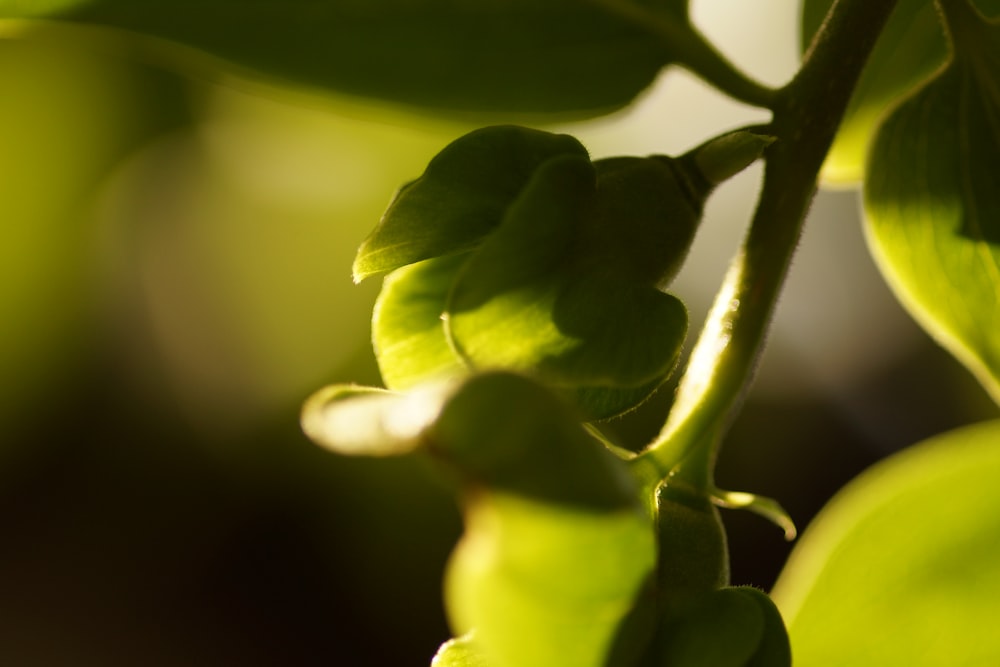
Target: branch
column 807, row 113
column 693, row 52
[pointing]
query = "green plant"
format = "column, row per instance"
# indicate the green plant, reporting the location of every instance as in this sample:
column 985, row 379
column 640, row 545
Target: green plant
column 525, row 301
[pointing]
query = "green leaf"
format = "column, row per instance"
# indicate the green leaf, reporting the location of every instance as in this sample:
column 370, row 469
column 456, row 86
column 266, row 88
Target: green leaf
column 535, row 296
column 407, row 331
column 461, row 197
column 932, row 206
column 901, row 567
column 546, row 584
column 723, row 629
column 557, row 546
column 911, row 47
column 506, row 432
column 460, row 652
column 774, row 649
column 522, row 56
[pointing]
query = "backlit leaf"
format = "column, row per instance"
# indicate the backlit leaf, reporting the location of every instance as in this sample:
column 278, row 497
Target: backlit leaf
column 932, row 200
column 911, row 47
column 557, row 545
column 459, row 652
column 901, row 567
column 407, row 331
column 532, row 298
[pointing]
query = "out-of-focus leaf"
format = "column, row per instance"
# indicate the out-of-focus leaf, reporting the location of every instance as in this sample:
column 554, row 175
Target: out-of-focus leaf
column 558, row 56
column 459, row 652
column 67, row 117
column 901, row 567
column 461, row 196
column 557, row 545
column 910, row 48
column 509, row 433
column 932, row 200
column 364, row 421
column 546, row 584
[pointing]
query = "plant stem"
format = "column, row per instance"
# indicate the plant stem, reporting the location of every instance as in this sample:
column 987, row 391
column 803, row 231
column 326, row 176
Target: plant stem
column 694, row 52
column 807, row 112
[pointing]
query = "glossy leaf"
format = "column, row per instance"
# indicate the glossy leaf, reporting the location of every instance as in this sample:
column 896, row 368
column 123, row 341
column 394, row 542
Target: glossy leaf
column 558, row 56
column 931, row 200
column 901, row 566
column 461, row 196
column 910, row 49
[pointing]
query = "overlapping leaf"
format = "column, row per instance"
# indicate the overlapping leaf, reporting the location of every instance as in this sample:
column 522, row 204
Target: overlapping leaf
column 557, row 545
column 910, row 49
column 553, row 57
column 932, row 199
column 461, row 197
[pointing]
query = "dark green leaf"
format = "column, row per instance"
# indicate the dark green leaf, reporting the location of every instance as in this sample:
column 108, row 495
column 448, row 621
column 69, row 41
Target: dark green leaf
column 910, row 48
column 557, row 56
column 723, row 629
column 508, row 433
column 461, row 197
column 932, row 201
column 774, row 649
column 901, row 568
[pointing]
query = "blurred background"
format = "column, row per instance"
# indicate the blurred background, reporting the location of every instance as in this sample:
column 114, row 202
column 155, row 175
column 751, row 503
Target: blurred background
column 175, row 251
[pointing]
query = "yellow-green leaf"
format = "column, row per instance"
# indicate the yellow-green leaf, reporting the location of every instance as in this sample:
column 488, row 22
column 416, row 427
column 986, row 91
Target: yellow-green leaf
column 932, row 199
column 911, row 47
column 902, row 568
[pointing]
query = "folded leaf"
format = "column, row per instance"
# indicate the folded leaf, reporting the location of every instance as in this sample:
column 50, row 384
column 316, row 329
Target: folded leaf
column 461, row 196
column 407, row 331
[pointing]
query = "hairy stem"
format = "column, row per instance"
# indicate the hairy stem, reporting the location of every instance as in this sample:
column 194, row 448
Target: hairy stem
column 807, row 112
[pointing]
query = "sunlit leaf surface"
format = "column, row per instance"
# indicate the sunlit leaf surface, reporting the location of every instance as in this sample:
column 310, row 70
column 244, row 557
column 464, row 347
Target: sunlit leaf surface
column 556, row 544
column 910, row 49
column 901, row 568
column 932, row 201
column 558, row 56
column 459, row 652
